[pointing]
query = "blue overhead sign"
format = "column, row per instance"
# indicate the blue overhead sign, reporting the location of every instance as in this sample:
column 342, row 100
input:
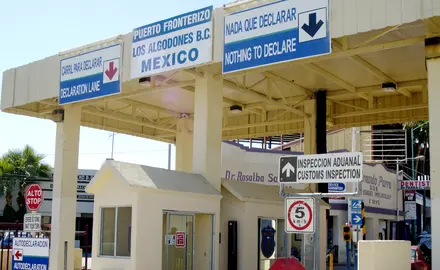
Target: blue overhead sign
column 277, row 32
column 30, row 253
column 179, row 42
column 90, row 75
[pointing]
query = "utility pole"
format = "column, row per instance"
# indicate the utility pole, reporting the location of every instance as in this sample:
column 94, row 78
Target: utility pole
column 169, row 156
column 113, row 144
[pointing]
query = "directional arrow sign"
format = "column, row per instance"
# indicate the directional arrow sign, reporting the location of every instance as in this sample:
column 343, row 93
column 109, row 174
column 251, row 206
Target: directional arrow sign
column 356, row 219
column 90, row 75
column 299, row 29
column 287, row 169
column 322, row 168
column 111, row 71
column 313, row 26
column 18, row 254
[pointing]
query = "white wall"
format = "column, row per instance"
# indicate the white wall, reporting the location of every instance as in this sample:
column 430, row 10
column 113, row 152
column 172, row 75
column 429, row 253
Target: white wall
column 231, row 209
column 105, row 198
column 149, row 218
column 384, row 255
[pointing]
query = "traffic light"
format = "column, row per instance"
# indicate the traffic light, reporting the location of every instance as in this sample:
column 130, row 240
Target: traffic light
column 346, row 233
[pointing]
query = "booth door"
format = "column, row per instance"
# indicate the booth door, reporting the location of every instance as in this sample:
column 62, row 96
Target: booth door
column 178, row 241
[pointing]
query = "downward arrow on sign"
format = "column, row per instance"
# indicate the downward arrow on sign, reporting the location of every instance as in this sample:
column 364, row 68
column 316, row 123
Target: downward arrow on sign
column 313, row 27
column 111, row 71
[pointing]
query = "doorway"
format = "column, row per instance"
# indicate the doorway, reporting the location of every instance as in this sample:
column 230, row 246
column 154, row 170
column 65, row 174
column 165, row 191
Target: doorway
column 178, row 241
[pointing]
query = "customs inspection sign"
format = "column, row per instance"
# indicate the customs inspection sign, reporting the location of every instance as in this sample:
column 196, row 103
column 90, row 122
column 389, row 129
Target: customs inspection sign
column 322, row 168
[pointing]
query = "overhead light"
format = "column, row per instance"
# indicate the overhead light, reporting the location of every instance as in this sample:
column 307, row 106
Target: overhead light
column 389, row 87
column 58, row 115
column 236, row 109
column 145, row 81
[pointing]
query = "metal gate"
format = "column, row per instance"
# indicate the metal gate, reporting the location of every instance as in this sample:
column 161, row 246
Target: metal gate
column 10, row 230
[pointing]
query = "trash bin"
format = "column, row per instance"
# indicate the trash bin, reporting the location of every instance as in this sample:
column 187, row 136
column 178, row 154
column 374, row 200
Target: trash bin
column 287, row 264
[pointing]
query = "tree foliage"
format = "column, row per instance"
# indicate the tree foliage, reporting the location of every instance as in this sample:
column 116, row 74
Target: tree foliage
column 18, row 166
column 420, row 131
column 420, row 141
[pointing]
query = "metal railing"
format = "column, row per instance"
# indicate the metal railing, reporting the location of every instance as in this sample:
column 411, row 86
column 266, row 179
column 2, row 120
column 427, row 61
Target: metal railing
column 10, row 230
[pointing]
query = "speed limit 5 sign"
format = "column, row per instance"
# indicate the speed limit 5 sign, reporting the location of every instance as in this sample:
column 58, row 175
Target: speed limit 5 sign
column 299, row 215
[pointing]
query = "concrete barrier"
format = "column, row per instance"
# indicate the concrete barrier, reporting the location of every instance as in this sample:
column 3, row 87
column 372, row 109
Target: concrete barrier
column 384, row 255
column 77, row 262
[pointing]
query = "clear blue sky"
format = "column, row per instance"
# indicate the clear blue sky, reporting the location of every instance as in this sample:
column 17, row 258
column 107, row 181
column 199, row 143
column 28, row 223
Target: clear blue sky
column 31, row 30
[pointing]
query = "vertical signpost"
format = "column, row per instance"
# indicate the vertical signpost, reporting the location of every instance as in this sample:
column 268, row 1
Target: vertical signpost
column 33, row 199
column 323, row 168
column 31, row 253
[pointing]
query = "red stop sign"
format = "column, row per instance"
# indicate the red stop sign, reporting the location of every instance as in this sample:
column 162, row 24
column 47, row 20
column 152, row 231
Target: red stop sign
column 34, row 197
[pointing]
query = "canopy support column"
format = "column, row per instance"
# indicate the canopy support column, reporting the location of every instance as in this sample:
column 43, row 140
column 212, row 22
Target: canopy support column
column 207, row 148
column 184, row 144
column 208, row 117
column 432, row 50
column 64, row 190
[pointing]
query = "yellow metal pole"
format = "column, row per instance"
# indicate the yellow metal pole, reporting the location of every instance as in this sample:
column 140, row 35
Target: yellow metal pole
column 331, row 261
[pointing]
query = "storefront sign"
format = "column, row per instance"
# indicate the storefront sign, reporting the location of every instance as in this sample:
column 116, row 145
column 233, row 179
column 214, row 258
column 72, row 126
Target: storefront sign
column 32, row 222
column 178, row 42
column 276, row 32
column 323, row 168
column 241, row 164
column 84, row 177
column 414, row 185
column 378, row 187
column 410, row 210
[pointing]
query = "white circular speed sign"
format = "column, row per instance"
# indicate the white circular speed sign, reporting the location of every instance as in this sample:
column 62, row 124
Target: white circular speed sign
column 299, row 215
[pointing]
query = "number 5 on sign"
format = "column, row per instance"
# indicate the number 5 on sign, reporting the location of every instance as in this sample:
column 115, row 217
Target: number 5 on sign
column 299, row 215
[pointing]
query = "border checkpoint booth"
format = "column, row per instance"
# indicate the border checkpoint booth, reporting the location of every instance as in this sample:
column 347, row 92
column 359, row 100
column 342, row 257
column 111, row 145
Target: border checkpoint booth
column 384, row 60
column 141, row 213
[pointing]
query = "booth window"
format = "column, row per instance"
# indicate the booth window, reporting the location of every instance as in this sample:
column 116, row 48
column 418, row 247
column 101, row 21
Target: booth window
column 115, row 231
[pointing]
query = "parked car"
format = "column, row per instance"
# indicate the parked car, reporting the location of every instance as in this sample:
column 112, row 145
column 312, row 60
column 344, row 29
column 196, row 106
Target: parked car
column 419, row 261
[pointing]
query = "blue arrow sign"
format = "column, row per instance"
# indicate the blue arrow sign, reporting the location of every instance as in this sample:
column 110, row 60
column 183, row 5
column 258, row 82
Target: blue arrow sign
column 356, row 219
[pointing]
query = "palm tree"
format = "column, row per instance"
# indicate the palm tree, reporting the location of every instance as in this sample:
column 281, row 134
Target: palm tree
column 20, row 166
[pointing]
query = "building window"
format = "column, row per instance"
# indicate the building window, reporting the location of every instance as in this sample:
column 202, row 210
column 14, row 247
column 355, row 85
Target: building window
column 115, row 231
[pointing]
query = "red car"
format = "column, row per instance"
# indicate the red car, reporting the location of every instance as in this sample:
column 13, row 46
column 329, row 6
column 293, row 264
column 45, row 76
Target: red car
column 419, row 260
